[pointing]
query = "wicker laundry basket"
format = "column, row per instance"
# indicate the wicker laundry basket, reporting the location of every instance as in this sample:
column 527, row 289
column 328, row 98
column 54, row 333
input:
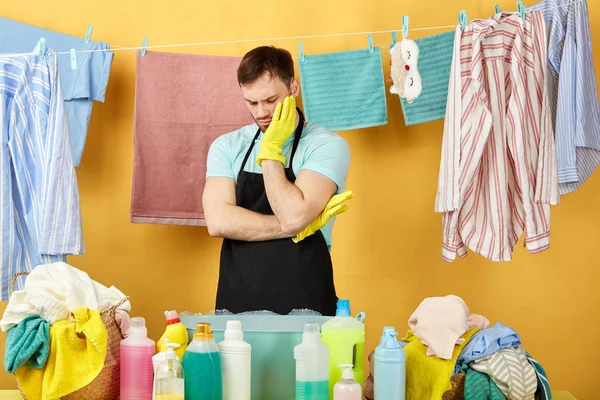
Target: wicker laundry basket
column 106, row 385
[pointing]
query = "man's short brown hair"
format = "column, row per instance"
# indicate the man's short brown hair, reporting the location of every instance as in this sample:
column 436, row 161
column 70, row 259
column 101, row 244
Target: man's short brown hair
column 266, row 59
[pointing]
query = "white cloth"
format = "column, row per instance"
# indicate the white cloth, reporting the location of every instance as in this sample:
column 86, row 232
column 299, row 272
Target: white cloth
column 440, row 322
column 53, row 291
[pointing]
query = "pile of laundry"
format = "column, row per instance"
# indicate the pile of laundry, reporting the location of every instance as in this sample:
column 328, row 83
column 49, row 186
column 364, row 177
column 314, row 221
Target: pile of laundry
column 452, row 354
column 58, row 335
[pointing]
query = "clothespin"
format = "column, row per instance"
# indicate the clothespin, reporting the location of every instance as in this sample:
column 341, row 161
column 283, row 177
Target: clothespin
column 144, row 45
column 497, row 8
column 521, row 9
column 301, row 48
column 42, row 48
column 88, row 35
column 73, row 59
column 394, row 39
column 463, row 19
column 371, row 48
column 405, row 26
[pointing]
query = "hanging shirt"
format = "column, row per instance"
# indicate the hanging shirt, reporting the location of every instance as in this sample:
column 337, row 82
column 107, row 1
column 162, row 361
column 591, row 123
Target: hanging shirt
column 39, row 203
column 80, row 86
column 576, row 109
column 498, row 169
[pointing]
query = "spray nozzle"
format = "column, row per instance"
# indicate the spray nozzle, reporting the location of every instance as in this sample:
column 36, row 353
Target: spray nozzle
column 348, row 372
column 390, row 341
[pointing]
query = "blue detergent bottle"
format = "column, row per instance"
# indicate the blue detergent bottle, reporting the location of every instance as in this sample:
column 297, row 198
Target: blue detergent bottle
column 390, row 367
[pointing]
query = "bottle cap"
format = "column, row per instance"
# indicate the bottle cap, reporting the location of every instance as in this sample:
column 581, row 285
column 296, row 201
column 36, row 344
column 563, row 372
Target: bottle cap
column 233, row 330
column 385, row 330
column 311, row 332
column 343, row 308
column 138, row 326
column 348, row 372
column 170, row 352
column 390, row 341
column 172, row 317
column 203, row 331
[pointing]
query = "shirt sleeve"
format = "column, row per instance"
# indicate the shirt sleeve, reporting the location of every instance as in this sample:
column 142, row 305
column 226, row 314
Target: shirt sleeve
column 330, row 157
column 219, row 162
column 92, row 74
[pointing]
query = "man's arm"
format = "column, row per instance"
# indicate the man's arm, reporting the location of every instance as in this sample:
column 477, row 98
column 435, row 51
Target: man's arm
column 225, row 219
column 296, row 204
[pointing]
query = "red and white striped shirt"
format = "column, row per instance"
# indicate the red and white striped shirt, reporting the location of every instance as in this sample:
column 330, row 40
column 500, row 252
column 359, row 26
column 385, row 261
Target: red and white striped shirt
column 498, row 173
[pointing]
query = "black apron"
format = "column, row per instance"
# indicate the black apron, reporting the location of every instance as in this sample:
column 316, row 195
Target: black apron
column 275, row 275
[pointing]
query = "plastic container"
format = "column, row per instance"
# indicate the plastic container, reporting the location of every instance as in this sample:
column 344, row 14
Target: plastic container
column 347, row 388
column 175, row 332
column 273, row 338
column 312, row 366
column 390, row 368
column 136, row 362
column 345, row 337
column 235, row 363
column 160, row 357
column 202, row 363
column 169, row 379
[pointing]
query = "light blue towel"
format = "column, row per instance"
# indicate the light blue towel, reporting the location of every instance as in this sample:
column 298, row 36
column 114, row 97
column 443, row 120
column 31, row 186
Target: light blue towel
column 28, row 342
column 435, row 60
column 344, row 90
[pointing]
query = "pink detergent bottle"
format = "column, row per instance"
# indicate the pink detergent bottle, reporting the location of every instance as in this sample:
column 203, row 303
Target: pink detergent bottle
column 137, row 373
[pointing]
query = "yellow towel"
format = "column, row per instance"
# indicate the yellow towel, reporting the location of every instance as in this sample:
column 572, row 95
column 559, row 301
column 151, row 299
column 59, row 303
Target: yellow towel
column 77, row 353
column 428, row 378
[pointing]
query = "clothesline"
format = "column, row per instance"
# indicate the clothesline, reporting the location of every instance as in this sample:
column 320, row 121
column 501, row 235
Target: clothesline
column 273, row 39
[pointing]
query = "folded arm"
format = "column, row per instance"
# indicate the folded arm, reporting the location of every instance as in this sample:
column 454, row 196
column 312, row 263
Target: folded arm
column 225, row 219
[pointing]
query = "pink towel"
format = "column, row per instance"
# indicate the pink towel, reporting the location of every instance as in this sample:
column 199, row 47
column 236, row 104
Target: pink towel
column 123, row 321
column 182, row 104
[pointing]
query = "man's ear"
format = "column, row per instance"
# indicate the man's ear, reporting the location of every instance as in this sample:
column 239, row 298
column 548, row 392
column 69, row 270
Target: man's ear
column 295, row 88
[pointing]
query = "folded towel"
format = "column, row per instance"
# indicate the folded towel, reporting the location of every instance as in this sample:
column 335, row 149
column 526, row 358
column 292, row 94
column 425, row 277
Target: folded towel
column 511, row 372
column 53, row 291
column 123, row 321
column 479, row 386
column 487, row 342
column 428, row 377
column 477, row 321
column 344, row 90
column 435, row 54
column 440, row 322
column 77, row 353
column 543, row 391
column 28, row 342
column 177, row 117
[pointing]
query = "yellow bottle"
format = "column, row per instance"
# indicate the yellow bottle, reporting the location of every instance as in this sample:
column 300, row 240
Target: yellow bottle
column 175, row 332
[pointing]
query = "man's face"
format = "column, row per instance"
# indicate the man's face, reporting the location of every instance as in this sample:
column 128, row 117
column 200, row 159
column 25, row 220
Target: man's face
column 263, row 95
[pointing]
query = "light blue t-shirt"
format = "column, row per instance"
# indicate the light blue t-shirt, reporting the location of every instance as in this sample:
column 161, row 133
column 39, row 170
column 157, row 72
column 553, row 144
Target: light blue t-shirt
column 319, row 150
column 80, row 86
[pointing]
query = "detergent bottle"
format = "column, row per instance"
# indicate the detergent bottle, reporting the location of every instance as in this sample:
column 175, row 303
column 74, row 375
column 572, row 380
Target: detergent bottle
column 136, row 362
column 202, row 364
column 347, row 388
column 235, row 363
column 345, row 337
column 175, row 332
column 390, row 368
column 312, row 366
column 169, row 379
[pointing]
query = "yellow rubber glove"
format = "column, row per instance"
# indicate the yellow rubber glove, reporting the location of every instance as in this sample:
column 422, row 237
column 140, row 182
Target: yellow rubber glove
column 282, row 126
column 332, row 208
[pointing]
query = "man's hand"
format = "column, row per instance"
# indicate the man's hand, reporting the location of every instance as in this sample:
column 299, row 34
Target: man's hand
column 282, row 126
column 334, row 207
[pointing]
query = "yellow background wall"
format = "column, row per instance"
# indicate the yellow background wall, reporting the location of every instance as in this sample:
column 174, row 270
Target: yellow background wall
column 387, row 246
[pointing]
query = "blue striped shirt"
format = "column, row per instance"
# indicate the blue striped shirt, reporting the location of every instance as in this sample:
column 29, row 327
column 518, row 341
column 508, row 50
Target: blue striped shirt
column 39, row 202
column 575, row 107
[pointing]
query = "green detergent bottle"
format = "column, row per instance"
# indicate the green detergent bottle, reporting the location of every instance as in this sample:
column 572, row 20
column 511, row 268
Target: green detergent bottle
column 202, row 365
column 345, row 337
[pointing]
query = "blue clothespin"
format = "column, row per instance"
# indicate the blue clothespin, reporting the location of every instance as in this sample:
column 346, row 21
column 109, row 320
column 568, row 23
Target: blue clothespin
column 73, row 59
column 463, row 19
column 42, row 48
column 371, row 48
column 521, row 9
column 405, row 26
column 301, row 48
column 88, row 35
column 144, row 45
column 497, row 8
column 394, row 39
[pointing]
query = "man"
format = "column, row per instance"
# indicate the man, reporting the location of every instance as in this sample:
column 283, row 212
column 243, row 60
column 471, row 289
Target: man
column 268, row 194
